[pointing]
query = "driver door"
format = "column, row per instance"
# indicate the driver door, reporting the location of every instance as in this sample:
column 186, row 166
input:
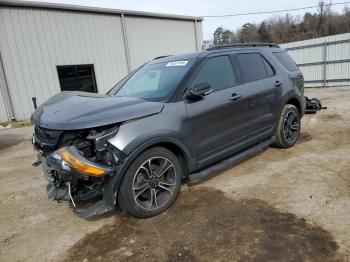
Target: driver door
column 216, row 121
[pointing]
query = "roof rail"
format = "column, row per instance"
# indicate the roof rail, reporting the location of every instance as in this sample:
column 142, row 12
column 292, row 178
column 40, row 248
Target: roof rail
column 235, row 45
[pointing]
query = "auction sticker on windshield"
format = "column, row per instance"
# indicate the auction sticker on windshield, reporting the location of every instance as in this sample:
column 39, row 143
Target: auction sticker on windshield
column 177, row 63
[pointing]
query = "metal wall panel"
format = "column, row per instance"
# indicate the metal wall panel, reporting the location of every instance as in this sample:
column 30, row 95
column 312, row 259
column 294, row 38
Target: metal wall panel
column 6, row 112
column 3, row 111
column 323, row 61
column 152, row 37
column 199, row 30
column 34, row 41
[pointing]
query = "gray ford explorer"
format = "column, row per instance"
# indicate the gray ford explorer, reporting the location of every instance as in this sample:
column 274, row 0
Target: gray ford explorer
column 174, row 118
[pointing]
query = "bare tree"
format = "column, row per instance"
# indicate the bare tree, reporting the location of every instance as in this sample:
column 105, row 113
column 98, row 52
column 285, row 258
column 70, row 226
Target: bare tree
column 264, row 35
column 288, row 28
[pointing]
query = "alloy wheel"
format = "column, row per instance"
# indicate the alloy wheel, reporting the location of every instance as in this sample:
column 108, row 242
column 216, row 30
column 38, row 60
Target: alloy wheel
column 154, row 183
column 291, row 126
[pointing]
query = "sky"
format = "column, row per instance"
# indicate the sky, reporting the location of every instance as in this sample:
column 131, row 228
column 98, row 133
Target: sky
column 208, row 7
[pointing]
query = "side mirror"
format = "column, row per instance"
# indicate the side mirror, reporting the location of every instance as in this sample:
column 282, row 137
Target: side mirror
column 199, row 90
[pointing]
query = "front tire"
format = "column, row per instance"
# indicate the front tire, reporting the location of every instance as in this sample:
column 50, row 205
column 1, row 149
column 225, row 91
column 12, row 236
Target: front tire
column 288, row 128
column 151, row 184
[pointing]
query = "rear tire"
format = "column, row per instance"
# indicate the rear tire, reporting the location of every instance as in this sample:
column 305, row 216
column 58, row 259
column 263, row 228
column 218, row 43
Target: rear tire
column 151, row 184
column 288, row 128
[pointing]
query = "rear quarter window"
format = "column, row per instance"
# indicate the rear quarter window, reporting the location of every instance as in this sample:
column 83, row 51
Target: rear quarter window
column 286, row 61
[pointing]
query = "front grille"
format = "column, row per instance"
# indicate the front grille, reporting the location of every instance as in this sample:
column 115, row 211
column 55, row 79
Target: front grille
column 46, row 136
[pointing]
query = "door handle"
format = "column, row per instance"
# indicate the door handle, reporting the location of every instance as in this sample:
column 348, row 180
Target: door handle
column 277, row 83
column 235, row 97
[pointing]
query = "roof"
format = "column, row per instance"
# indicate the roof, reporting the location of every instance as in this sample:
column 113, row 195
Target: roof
column 45, row 5
column 214, row 49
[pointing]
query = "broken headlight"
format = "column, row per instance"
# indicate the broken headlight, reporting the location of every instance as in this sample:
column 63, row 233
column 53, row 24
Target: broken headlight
column 100, row 137
column 68, row 158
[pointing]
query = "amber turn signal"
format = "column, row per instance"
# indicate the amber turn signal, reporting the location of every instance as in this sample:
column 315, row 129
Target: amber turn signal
column 79, row 165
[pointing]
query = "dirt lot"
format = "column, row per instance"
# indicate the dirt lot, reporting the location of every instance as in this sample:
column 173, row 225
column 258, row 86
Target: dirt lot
column 281, row 205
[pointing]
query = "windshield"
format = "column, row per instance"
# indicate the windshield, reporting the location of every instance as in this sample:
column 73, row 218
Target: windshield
column 153, row 82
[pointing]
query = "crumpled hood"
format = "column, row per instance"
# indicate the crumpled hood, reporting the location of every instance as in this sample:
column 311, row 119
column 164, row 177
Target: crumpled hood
column 80, row 110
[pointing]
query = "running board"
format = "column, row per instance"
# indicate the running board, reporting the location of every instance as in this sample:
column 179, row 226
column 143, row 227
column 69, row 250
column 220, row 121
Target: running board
column 232, row 160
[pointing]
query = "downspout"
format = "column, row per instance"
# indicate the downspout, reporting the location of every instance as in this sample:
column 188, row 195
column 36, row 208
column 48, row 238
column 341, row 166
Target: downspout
column 126, row 45
column 6, row 93
column 195, row 34
column 325, row 64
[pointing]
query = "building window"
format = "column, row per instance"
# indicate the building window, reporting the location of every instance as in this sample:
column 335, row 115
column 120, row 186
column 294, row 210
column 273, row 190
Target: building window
column 77, row 78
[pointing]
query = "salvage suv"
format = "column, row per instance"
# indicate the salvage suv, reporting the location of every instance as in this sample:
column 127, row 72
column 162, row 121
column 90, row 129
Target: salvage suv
column 174, row 118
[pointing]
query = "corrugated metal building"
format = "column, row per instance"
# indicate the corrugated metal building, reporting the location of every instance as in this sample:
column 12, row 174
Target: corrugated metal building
column 324, row 61
column 46, row 48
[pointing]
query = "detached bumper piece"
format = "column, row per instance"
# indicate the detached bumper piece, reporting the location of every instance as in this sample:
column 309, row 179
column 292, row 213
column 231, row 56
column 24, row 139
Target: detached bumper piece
column 313, row 105
column 58, row 193
column 74, row 178
column 98, row 208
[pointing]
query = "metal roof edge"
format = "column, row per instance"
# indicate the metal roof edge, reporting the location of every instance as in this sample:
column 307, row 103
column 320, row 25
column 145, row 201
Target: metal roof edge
column 92, row 9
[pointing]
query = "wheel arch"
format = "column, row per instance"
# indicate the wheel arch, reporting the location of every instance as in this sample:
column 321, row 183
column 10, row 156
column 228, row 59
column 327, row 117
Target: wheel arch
column 295, row 102
column 177, row 150
column 176, row 147
column 172, row 144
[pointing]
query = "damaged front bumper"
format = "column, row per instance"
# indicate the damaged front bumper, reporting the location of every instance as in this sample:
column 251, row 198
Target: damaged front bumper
column 73, row 178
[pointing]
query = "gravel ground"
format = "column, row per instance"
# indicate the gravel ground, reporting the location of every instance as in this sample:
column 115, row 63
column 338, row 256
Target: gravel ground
column 281, row 205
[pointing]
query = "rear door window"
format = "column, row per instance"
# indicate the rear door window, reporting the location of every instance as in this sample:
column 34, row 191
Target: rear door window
column 218, row 71
column 269, row 70
column 253, row 67
column 286, row 61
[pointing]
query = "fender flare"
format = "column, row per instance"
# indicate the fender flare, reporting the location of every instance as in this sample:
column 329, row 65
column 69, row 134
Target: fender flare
column 291, row 95
column 288, row 96
column 132, row 154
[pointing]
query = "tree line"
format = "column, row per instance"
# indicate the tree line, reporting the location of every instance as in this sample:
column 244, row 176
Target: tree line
column 288, row 28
